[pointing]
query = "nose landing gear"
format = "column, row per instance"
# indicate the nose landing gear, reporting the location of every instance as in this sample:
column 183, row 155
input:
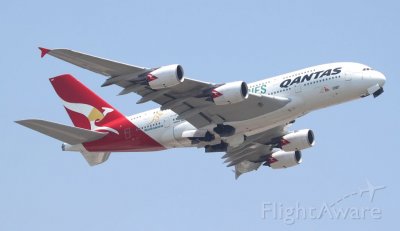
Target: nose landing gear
column 375, row 90
column 378, row 92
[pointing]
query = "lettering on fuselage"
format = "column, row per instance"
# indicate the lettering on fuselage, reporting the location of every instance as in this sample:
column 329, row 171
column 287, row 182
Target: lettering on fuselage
column 259, row 89
column 309, row 77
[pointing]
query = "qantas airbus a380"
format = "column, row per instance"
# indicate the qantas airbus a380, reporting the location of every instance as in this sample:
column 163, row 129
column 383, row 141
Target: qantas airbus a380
column 248, row 122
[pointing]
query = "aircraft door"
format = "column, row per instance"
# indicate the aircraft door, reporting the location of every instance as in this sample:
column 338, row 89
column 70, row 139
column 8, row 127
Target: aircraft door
column 365, row 74
column 167, row 121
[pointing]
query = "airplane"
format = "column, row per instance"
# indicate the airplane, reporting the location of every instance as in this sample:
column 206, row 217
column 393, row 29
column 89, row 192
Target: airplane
column 371, row 189
column 248, row 122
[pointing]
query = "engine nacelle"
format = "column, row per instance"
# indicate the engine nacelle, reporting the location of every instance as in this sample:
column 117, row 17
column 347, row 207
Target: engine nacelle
column 297, row 140
column 166, row 76
column 282, row 159
column 230, row 93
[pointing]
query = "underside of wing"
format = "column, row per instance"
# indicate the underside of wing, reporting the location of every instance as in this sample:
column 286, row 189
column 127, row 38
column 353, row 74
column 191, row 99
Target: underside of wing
column 254, row 151
column 201, row 113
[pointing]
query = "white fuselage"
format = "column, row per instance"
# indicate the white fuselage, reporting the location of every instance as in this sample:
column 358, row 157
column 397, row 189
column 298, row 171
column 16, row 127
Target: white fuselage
column 308, row 89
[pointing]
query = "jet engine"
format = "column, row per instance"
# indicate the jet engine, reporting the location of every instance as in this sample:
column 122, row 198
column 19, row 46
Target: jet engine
column 282, row 159
column 166, row 76
column 297, row 140
column 230, row 93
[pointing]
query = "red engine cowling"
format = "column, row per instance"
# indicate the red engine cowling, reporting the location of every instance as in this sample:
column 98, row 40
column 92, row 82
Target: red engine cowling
column 282, row 159
column 166, row 76
column 297, row 140
column 230, row 93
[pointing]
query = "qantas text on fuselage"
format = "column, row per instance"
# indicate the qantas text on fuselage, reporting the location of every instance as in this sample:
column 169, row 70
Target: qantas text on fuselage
column 308, row 77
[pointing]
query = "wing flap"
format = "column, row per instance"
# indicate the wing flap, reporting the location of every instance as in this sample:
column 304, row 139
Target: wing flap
column 64, row 133
column 253, row 152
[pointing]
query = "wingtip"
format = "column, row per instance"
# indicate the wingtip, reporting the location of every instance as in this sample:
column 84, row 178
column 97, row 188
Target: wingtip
column 23, row 122
column 237, row 174
column 43, row 51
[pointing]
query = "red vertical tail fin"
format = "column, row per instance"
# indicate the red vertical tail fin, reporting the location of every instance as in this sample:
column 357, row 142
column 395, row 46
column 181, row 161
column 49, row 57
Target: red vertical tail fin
column 85, row 108
column 89, row 111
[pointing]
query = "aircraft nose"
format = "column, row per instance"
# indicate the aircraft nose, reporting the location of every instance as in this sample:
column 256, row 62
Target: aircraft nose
column 379, row 77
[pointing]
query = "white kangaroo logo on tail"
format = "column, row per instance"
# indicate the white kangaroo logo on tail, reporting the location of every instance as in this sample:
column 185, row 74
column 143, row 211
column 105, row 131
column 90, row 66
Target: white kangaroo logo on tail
column 91, row 113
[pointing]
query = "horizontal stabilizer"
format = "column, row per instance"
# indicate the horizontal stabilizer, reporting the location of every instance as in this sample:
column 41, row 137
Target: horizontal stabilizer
column 67, row 134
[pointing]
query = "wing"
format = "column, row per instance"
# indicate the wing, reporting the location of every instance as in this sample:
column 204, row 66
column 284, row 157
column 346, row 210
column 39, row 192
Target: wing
column 254, row 151
column 99, row 65
column 183, row 98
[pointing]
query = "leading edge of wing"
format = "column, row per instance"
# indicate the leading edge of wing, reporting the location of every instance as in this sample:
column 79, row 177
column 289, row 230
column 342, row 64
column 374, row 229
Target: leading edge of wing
column 96, row 64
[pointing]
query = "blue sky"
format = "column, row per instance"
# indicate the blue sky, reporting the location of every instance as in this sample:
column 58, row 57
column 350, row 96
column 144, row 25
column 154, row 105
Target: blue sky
column 43, row 188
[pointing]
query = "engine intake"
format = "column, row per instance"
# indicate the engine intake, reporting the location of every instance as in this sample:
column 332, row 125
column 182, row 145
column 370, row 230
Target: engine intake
column 230, row 93
column 166, row 76
column 282, row 159
column 297, row 140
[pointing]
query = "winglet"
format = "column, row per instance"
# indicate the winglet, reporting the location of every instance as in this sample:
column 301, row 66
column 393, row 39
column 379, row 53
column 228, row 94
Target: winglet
column 44, row 51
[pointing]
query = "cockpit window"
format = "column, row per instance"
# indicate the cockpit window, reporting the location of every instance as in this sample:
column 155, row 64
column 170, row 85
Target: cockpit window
column 367, row 69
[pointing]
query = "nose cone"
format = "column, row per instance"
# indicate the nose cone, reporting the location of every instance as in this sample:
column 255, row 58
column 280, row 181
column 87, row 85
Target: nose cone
column 379, row 78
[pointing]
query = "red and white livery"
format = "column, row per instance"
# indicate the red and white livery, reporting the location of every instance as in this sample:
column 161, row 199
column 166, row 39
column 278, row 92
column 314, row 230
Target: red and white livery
column 248, row 122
